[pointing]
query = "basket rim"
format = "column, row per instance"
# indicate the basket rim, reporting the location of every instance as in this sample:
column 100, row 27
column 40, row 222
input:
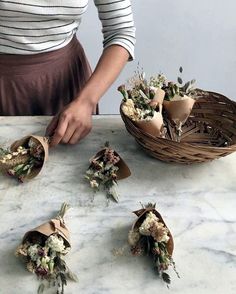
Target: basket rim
column 175, row 143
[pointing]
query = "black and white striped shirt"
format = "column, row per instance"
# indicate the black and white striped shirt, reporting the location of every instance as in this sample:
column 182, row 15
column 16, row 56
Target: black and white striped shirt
column 35, row 26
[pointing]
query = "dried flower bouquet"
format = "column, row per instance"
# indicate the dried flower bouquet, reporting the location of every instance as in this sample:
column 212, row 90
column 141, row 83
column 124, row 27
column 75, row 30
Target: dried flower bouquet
column 142, row 102
column 150, row 235
column 106, row 167
column 179, row 100
column 25, row 158
column 43, row 250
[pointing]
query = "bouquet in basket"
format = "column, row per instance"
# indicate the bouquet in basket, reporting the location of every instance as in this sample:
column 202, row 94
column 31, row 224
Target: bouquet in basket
column 179, row 100
column 142, row 102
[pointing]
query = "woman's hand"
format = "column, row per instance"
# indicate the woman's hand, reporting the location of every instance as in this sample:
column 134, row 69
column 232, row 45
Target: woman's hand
column 72, row 124
column 75, row 121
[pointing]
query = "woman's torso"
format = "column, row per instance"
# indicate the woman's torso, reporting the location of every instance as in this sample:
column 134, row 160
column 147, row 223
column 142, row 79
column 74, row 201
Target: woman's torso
column 36, row 26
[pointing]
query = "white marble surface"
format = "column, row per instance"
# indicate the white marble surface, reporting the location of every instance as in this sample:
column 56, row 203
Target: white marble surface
column 198, row 203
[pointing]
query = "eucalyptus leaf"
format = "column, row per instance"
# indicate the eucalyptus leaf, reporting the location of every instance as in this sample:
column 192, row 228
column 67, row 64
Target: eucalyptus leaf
column 72, row 276
column 166, row 278
column 41, row 289
column 180, row 81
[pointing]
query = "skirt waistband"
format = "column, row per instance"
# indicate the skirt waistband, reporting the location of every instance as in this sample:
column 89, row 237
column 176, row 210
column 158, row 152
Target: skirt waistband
column 21, row 64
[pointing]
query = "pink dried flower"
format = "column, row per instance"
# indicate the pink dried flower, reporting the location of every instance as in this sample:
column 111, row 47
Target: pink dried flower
column 41, row 252
column 42, row 272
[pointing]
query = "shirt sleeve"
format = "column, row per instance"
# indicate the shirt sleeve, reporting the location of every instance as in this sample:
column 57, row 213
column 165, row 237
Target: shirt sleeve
column 117, row 24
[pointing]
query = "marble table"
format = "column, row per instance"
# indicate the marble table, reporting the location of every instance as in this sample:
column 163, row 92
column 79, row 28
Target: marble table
column 198, row 203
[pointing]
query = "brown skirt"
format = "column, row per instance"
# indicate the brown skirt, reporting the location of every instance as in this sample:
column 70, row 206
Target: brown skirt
column 42, row 84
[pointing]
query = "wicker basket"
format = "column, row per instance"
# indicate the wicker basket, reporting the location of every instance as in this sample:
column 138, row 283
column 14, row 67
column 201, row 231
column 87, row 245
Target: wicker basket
column 209, row 133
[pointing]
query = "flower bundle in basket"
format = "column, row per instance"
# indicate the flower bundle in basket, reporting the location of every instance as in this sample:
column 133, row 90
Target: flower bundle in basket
column 43, row 250
column 179, row 100
column 142, row 102
column 25, row 158
column 150, row 235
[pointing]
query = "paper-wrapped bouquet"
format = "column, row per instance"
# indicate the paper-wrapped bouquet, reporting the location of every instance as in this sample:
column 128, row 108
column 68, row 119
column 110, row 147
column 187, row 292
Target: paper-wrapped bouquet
column 142, row 102
column 105, row 169
column 150, row 235
column 179, row 100
column 43, row 250
column 25, row 158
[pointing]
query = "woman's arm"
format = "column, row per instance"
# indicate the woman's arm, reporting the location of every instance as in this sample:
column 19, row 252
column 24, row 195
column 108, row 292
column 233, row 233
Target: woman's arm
column 75, row 121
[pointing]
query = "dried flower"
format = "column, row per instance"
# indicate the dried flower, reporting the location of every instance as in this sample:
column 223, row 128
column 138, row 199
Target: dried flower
column 151, row 236
column 138, row 95
column 102, row 172
column 20, row 162
column 173, row 89
column 55, row 243
column 43, row 254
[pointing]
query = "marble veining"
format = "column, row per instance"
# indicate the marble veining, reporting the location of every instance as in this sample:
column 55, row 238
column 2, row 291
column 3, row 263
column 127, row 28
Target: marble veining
column 197, row 201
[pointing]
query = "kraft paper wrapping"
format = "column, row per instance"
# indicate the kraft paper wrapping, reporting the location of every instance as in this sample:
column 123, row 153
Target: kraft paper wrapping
column 179, row 108
column 24, row 142
column 141, row 216
column 154, row 126
column 54, row 226
column 123, row 171
column 158, row 98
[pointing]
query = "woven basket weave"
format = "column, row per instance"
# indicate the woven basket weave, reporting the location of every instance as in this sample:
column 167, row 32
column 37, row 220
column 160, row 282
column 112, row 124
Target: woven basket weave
column 209, row 133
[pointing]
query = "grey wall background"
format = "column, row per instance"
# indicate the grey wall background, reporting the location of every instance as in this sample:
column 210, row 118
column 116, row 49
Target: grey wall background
column 199, row 35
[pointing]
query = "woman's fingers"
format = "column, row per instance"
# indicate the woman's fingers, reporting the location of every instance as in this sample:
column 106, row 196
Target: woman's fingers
column 72, row 124
column 52, row 126
column 79, row 134
column 59, row 132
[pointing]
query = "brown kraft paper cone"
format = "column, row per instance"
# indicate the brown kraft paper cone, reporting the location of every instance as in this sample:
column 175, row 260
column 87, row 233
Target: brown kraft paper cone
column 154, row 126
column 179, row 109
column 23, row 142
column 141, row 216
column 54, row 226
column 158, row 98
column 123, row 171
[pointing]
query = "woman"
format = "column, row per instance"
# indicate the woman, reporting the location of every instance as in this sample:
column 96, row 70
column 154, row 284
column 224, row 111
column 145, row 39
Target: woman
column 43, row 68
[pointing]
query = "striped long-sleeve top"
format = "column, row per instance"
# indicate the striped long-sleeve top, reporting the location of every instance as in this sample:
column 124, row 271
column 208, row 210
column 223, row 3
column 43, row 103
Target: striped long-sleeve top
column 36, row 26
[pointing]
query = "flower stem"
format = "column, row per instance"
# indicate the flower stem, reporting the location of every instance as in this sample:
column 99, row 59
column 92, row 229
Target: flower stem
column 63, row 210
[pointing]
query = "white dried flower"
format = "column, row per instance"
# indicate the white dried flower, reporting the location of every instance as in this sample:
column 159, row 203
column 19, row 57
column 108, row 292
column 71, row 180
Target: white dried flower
column 33, row 252
column 19, row 148
column 56, row 243
column 130, row 110
column 164, row 238
column 15, row 153
column 94, row 184
column 151, row 226
column 147, row 223
column 8, row 156
column 133, row 237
